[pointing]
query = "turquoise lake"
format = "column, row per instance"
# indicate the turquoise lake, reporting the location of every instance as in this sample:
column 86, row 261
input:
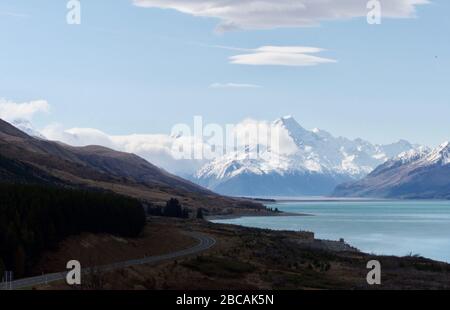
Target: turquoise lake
column 381, row 227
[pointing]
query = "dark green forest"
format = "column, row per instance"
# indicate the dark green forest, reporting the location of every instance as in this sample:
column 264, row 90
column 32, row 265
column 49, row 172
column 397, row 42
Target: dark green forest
column 36, row 218
column 173, row 208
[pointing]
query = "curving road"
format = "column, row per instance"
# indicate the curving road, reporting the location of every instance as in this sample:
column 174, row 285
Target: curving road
column 204, row 243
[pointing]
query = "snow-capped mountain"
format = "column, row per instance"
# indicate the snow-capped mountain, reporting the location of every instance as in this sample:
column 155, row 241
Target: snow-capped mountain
column 422, row 173
column 309, row 162
column 411, row 155
column 439, row 156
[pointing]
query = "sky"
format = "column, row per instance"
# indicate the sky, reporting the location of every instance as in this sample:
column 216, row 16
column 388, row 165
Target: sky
column 140, row 67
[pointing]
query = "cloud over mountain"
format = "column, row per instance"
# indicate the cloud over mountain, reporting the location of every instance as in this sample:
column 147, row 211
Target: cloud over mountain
column 159, row 148
column 156, row 148
column 12, row 111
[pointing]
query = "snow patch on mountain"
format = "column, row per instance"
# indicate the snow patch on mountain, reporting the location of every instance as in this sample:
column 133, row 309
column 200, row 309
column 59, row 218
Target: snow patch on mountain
column 414, row 174
column 413, row 155
column 440, row 155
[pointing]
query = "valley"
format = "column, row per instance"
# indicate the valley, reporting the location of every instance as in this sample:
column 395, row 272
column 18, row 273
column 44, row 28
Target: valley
column 252, row 259
column 27, row 159
column 240, row 257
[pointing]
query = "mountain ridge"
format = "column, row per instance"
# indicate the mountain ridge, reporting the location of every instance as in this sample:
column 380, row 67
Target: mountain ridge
column 316, row 157
column 424, row 174
column 27, row 159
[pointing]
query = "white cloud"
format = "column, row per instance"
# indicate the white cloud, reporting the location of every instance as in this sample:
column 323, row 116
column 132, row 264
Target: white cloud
column 156, row 148
column 77, row 136
column 233, row 85
column 11, row 111
column 268, row 14
column 269, row 133
column 281, row 56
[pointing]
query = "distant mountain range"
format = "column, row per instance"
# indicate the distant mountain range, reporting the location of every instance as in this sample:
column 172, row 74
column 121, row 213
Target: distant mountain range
column 316, row 163
column 28, row 159
column 311, row 162
column 417, row 174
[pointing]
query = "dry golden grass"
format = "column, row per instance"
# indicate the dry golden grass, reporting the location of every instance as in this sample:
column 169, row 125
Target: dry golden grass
column 246, row 258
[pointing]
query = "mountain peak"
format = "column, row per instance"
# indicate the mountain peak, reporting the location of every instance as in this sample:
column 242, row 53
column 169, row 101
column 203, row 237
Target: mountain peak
column 307, row 157
column 413, row 155
column 403, row 142
column 417, row 173
column 288, row 117
column 441, row 154
column 286, row 121
column 443, row 149
column 290, row 124
column 445, row 145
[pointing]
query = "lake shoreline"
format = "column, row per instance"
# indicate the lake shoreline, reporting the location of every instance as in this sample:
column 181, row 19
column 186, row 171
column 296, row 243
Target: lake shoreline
column 397, row 228
column 238, row 216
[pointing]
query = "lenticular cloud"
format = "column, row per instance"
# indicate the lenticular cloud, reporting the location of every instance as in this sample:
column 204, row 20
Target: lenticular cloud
column 268, row 14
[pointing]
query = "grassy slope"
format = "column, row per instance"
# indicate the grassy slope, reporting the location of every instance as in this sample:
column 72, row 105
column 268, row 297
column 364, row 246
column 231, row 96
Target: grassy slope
column 247, row 258
column 26, row 159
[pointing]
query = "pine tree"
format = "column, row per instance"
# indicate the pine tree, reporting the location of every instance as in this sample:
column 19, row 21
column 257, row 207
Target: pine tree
column 173, row 208
column 200, row 214
column 2, row 268
column 19, row 261
column 36, row 218
column 185, row 213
